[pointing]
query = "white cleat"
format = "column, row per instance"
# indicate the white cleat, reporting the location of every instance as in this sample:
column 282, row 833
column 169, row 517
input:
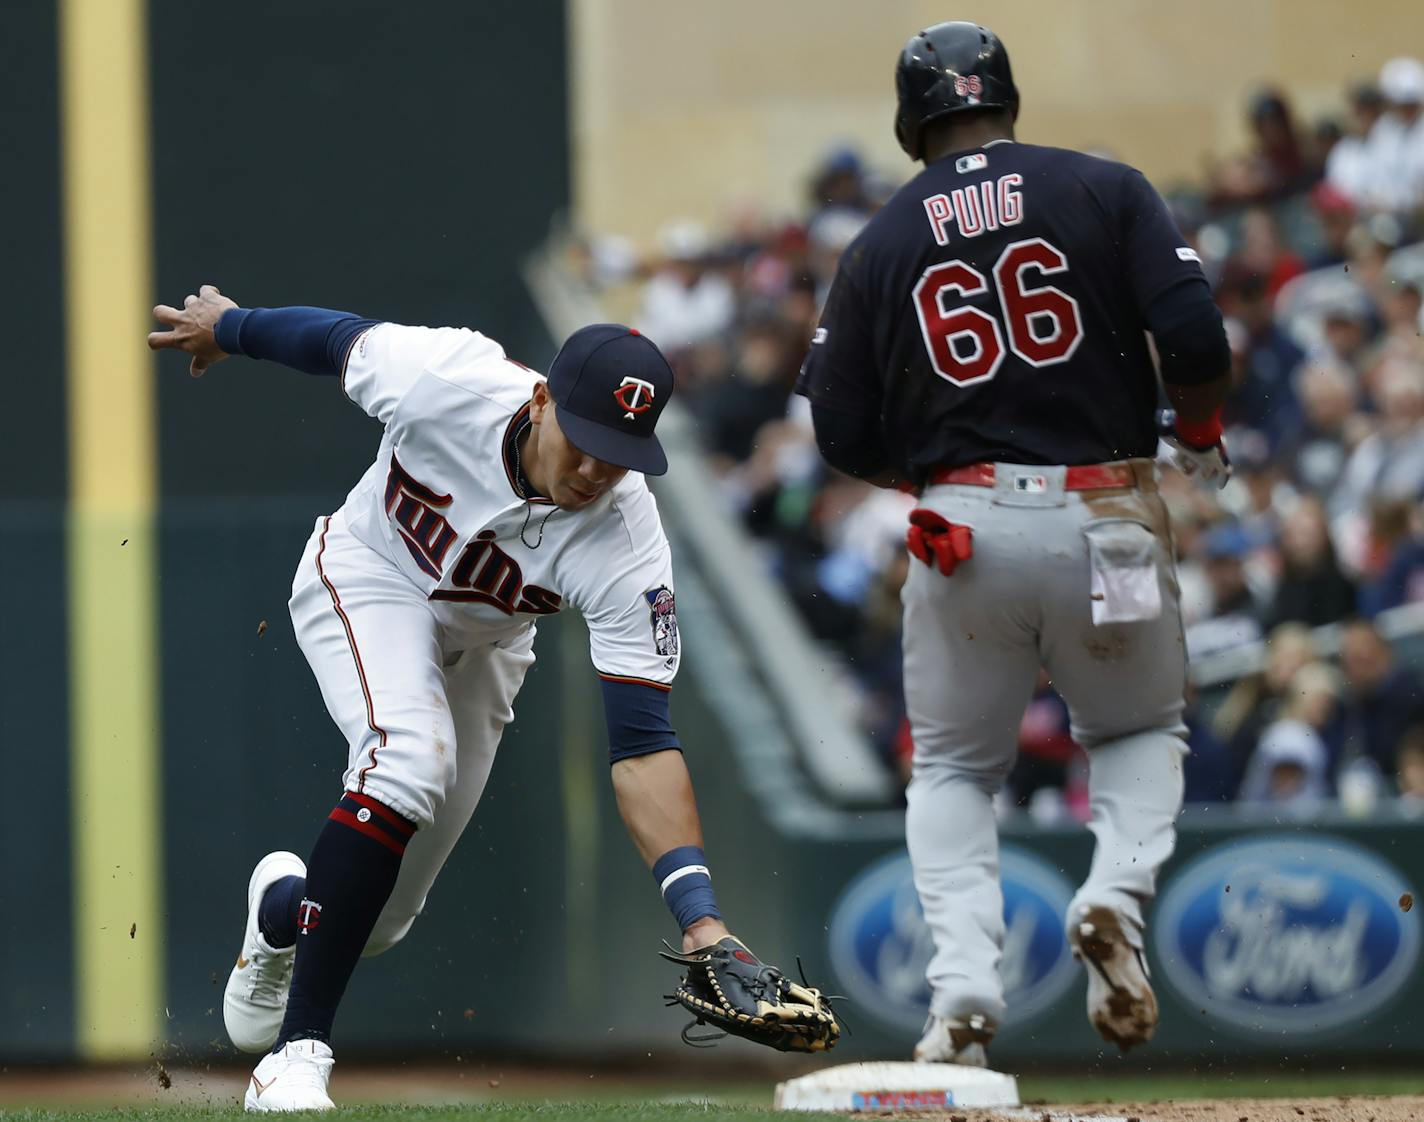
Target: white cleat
column 293, row 1079
column 1121, row 1004
column 256, row 994
column 955, row 1041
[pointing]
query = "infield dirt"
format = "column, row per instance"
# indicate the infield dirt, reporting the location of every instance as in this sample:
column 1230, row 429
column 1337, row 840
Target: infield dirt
column 1344, row 1108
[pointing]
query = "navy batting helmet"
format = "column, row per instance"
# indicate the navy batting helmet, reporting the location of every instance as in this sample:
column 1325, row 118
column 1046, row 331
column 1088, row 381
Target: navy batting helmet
column 950, row 68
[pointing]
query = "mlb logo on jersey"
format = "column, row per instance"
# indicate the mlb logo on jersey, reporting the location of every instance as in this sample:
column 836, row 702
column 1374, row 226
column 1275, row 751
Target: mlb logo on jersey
column 976, row 161
column 1030, row 484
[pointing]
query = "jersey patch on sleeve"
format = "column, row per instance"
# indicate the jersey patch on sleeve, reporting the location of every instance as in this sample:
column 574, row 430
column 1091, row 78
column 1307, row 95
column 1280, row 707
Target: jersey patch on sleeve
column 663, row 617
column 1185, row 253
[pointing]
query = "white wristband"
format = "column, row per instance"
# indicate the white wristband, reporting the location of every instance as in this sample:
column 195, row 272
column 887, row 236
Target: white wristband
column 686, row 870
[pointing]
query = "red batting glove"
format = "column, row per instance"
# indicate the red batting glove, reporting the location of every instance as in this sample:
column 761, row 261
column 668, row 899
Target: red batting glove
column 936, row 541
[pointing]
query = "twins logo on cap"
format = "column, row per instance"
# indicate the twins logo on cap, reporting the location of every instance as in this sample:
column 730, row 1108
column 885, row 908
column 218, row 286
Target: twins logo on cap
column 634, row 396
column 610, row 385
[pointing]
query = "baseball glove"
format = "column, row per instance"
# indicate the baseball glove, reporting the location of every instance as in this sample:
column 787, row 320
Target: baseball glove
column 731, row 990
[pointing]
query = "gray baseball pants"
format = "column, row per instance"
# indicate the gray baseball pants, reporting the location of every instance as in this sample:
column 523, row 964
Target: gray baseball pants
column 973, row 646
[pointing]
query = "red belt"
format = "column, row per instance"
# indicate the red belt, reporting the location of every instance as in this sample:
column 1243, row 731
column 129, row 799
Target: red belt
column 1081, row 477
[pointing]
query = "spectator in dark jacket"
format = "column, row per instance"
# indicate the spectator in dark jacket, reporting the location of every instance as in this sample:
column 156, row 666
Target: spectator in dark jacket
column 1209, row 774
column 1382, row 701
column 1312, row 589
column 754, row 392
column 1265, row 364
column 1392, row 564
column 1315, row 451
column 1256, row 700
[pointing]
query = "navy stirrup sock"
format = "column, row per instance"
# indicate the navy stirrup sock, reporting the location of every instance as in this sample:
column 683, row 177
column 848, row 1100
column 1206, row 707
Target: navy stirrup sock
column 350, row 875
column 277, row 914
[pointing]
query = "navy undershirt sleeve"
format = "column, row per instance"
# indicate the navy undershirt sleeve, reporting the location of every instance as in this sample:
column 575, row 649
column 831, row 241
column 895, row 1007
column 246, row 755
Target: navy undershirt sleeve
column 1170, row 289
column 638, row 720
column 1155, row 255
column 850, row 442
column 312, row 340
column 1190, row 337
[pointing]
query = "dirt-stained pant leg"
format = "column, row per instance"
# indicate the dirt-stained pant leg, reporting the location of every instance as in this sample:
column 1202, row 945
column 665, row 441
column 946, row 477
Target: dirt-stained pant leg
column 1123, row 683
column 422, row 724
column 373, row 644
column 971, row 657
column 481, row 685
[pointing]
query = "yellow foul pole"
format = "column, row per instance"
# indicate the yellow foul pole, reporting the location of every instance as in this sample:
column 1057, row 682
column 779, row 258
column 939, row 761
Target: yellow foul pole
column 116, row 802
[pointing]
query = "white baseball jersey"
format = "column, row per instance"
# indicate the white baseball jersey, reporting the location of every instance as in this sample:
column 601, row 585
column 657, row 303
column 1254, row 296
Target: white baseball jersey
column 441, row 502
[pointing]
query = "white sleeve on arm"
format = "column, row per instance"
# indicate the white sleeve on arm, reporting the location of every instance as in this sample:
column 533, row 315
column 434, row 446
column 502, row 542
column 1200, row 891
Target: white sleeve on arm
column 385, row 361
column 632, row 623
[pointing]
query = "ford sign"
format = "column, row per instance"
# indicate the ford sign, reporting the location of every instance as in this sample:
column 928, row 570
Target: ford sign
column 880, row 945
column 1286, row 934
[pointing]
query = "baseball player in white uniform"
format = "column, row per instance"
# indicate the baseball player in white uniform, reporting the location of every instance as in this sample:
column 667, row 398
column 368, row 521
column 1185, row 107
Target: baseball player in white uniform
column 984, row 345
column 497, row 497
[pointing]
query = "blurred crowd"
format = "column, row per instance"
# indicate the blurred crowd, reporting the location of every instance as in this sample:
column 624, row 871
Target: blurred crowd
column 1314, row 243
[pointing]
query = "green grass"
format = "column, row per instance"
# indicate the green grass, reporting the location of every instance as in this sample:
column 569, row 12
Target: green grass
column 501, row 1112
column 740, row 1099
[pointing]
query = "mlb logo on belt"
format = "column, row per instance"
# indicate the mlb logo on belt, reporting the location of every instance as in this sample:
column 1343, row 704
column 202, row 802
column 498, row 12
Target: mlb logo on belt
column 634, row 396
column 1030, row 484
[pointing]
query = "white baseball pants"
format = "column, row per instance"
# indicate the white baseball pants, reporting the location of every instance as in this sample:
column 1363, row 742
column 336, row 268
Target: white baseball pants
column 973, row 645
column 421, row 721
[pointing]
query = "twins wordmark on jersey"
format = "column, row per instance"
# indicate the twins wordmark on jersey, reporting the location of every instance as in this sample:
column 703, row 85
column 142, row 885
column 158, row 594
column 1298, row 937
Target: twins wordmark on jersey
column 483, row 574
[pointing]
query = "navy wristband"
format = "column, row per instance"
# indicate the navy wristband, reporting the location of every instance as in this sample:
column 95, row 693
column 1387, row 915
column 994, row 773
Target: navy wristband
column 686, row 885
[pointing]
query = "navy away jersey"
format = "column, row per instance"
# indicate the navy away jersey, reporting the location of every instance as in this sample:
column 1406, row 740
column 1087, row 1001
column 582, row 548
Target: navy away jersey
column 994, row 309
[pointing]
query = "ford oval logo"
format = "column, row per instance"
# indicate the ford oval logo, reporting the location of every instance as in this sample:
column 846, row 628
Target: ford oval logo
column 880, row 945
column 1286, row 935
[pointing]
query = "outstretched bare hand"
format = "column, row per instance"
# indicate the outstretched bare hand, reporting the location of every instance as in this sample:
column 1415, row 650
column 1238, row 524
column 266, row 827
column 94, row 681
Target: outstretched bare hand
column 191, row 329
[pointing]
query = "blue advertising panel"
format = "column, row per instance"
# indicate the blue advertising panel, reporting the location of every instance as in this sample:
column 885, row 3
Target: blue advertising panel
column 880, row 945
column 1287, row 935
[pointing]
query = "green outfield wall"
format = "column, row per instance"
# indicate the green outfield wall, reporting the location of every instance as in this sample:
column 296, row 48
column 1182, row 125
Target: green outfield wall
column 399, row 161
column 546, row 910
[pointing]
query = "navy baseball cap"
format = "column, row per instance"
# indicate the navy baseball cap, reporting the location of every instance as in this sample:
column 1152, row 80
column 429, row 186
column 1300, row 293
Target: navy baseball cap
column 610, row 385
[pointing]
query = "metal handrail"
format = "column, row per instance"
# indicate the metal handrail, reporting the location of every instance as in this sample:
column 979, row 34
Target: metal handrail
column 1237, row 662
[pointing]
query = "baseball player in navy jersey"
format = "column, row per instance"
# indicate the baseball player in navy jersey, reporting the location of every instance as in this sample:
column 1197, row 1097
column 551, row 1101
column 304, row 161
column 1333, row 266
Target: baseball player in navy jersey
column 985, row 344
column 497, row 497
